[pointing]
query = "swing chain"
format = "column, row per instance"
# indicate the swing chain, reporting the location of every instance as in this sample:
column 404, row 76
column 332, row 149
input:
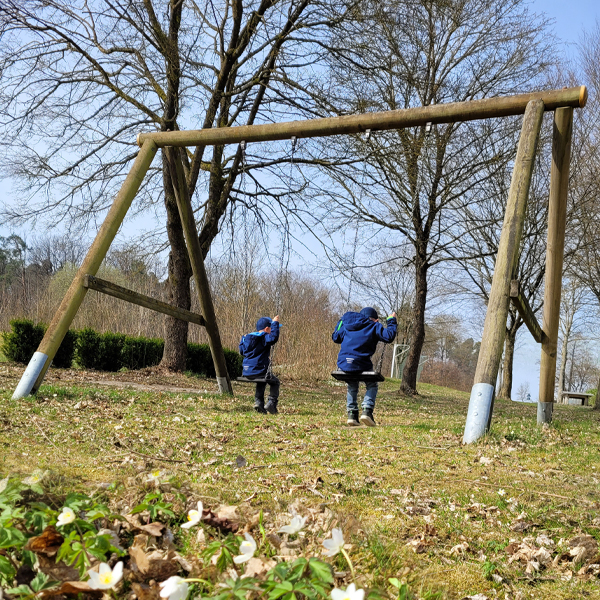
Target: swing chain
column 243, row 149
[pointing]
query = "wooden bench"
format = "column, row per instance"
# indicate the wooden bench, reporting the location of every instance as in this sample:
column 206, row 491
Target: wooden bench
column 575, row 398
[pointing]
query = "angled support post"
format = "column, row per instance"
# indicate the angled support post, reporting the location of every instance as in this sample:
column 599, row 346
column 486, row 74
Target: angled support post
column 557, row 216
column 519, row 300
column 40, row 362
column 186, row 213
column 494, row 330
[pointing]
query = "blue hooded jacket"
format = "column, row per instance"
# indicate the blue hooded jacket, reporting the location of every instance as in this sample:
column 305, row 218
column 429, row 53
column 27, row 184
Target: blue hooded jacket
column 255, row 347
column 358, row 336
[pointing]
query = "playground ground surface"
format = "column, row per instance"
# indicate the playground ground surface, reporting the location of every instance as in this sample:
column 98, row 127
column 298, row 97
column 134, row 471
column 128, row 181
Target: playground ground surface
column 516, row 515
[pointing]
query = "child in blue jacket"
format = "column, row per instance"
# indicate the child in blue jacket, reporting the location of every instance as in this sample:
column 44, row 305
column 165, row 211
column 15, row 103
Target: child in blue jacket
column 359, row 333
column 255, row 347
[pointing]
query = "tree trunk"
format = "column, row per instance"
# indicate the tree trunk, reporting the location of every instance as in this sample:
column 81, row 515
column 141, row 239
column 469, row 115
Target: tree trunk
column 571, row 366
column 176, row 331
column 411, row 369
column 563, row 364
column 507, row 367
column 597, row 400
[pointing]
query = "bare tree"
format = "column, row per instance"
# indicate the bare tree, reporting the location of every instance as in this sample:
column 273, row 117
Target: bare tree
column 585, row 180
column 81, row 78
column 400, row 54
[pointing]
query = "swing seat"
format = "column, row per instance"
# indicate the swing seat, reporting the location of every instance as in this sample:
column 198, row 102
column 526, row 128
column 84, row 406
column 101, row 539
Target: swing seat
column 247, row 380
column 358, row 376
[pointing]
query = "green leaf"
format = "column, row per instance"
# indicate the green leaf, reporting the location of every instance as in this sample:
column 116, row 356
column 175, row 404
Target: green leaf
column 321, row 570
column 42, row 582
column 6, row 568
column 10, row 537
column 21, row 590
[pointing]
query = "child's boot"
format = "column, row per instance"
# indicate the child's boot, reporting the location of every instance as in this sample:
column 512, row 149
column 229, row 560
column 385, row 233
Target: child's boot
column 367, row 417
column 352, row 418
column 259, row 406
column 271, row 406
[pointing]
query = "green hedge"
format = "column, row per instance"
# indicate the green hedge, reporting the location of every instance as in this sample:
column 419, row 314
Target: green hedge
column 199, row 360
column 107, row 351
column 19, row 344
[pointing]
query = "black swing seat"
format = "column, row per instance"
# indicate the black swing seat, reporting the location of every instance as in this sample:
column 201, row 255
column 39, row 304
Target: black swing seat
column 358, row 376
column 247, row 380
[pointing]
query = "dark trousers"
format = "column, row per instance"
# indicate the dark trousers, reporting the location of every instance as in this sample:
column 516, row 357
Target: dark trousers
column 261, row 386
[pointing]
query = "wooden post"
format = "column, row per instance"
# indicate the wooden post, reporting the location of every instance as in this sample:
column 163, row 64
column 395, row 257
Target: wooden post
column 40, row 362
column 557, row 214
column 379, row 121
column 522, row 305
column 494, row 329
column 117, row 291
column 197, row 261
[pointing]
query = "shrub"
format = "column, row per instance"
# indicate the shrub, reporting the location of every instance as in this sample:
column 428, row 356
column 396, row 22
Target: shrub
column 141, row 352
column 86, row 350
column 66, row 351
column 100, row 351
column 23, row 340
column 199, row 360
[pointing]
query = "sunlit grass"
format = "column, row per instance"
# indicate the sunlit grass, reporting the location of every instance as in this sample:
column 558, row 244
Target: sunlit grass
column 409, row 479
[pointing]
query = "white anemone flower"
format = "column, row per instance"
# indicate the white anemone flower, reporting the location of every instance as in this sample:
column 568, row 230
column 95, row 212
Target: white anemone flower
column 501, row 492
column 3, row 484
column 66, row 516
column 247, row 550
column 334, row 544
column 154, row 476
column 350, row 593
column 35, row 477
column 174, row 588
column 106, row 578
column 194, row 517
column 296, row 524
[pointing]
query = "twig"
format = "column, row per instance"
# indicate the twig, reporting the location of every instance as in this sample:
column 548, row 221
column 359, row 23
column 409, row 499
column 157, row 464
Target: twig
column 274, row 465
column 42, row 432
column 249, row 497
column 433, row 447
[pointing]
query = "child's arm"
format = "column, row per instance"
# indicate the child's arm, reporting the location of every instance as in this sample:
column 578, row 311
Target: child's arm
column 338, row 334
column 241, row 347
column 272, row 338
column 388, row 333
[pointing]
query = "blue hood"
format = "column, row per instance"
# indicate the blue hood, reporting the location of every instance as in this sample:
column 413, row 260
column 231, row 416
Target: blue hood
column 354, row 321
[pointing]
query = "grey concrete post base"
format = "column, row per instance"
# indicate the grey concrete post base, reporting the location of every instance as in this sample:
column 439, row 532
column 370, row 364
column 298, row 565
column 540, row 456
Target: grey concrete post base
column 480, row 411
column 30, row 376
column 544, row 412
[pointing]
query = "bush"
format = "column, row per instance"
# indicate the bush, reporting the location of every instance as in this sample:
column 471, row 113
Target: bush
column 66, row 351
column 19, row 344
column 86, row 350
column 199, row 360
column 141, row 352
column 100, row 351
column 23, row 340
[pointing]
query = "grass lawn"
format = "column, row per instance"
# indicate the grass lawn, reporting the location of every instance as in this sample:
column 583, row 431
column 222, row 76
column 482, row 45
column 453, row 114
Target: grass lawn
column 449, row 520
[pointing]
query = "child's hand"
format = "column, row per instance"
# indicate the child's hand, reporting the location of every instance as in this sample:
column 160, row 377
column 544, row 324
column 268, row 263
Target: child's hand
column 276, row 318
column 393, row 314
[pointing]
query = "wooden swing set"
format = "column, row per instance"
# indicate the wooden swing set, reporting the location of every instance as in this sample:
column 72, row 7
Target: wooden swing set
column 531, row 105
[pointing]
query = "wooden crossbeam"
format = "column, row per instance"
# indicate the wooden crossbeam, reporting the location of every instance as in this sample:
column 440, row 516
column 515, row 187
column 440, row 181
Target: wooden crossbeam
column 522, row 305
column 471, row 110
column 112, row 289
